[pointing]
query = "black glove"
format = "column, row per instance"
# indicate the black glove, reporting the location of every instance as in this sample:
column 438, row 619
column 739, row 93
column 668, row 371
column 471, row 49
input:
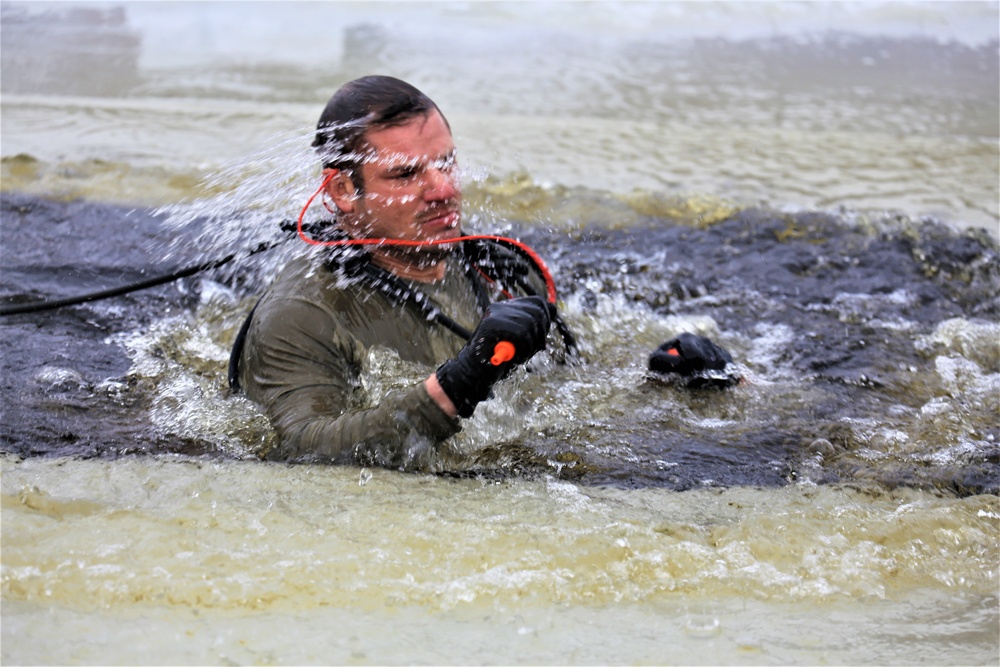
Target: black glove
column 468, row 378
column 693, row 357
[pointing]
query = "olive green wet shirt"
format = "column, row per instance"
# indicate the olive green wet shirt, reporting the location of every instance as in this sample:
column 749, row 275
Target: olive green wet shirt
column 310, row 338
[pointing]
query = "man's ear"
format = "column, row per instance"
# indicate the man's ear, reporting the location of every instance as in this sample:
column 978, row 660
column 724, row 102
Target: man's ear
column 340, row 189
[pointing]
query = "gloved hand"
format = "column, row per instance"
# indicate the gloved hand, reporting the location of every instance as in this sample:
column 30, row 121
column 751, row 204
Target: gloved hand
column 690, row 356
column 468, row 378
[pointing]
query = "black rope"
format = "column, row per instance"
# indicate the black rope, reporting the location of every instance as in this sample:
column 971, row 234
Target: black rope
column 476, row 255
column 569, row 340
column 401, row 293
column 41, row 306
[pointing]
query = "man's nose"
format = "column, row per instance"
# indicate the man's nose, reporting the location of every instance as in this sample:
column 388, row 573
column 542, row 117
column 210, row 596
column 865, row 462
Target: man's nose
column 441, row 184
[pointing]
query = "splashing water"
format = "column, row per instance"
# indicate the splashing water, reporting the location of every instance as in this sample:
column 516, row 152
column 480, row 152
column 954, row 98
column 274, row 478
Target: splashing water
column 243, row 209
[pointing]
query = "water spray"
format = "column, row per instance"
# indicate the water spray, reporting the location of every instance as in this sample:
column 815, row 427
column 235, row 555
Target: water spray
column 504, row 350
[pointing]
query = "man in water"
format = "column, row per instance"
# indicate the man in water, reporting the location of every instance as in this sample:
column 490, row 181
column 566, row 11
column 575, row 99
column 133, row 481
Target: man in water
column 389, row 168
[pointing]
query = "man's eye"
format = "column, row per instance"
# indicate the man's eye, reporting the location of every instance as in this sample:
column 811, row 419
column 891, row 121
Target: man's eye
column 446, row 164
column 404, row 174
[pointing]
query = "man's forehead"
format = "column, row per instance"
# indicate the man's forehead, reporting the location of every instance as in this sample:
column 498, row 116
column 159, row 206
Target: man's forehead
column 423, row 138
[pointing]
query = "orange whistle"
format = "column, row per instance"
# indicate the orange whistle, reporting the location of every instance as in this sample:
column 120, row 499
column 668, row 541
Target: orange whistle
column 504, row 351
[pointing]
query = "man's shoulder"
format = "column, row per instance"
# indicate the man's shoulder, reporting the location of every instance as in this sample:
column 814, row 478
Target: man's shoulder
column 306, row 285
column 310, row 276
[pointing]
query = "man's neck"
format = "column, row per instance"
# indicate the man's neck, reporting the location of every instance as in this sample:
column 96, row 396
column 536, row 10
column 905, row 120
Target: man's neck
column 426, row 270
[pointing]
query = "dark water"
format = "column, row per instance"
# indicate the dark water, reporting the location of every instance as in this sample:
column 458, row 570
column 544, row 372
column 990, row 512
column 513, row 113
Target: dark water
column 793, row 271
column 836, row 322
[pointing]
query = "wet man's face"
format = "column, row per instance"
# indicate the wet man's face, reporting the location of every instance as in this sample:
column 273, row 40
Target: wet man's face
column 411, row 188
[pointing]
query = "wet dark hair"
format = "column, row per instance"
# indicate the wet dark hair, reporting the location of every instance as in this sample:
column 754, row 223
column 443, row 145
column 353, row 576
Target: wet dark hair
column 358, row 106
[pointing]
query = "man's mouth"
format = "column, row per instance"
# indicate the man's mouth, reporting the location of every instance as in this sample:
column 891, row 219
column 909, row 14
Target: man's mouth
column 442, row 220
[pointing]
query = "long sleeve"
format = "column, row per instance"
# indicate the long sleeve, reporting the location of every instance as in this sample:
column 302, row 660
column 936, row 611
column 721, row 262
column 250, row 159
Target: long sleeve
column 303, row 366
column 307, row 362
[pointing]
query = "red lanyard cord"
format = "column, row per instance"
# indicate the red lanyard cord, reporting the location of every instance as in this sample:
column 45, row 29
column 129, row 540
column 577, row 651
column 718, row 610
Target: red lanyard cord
column 526, row 250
